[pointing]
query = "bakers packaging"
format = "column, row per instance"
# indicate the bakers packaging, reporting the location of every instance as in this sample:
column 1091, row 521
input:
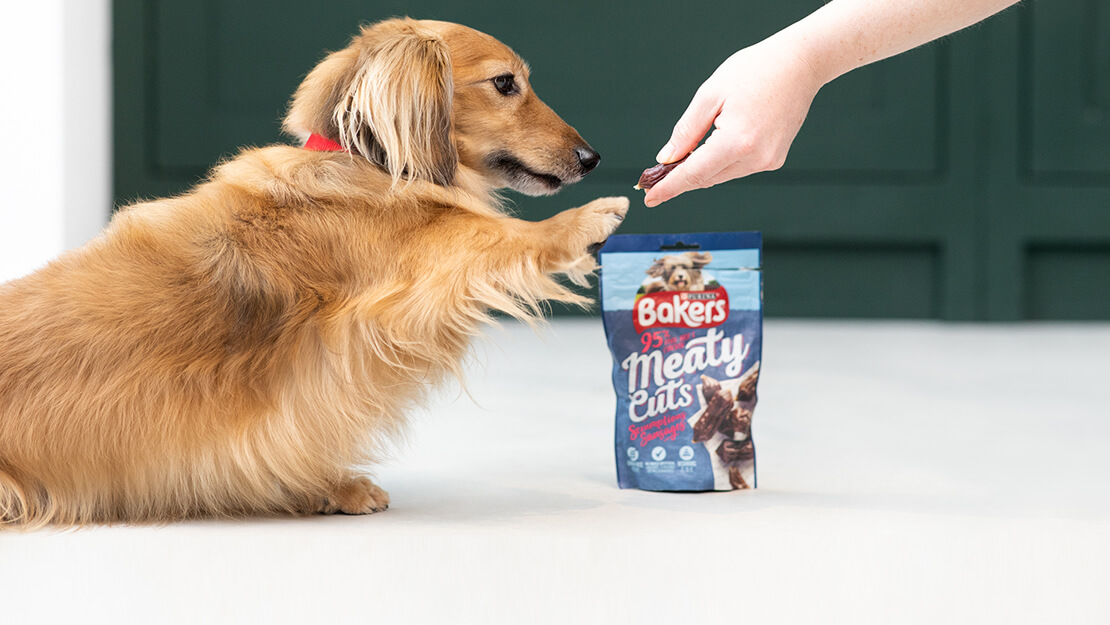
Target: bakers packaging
column 684, row 320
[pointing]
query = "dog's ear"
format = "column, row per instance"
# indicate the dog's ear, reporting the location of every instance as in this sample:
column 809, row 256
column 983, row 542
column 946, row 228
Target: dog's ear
column 700, row 259
column 313, row 107
column 397, row 109
column 656, row 270
column 386, row 97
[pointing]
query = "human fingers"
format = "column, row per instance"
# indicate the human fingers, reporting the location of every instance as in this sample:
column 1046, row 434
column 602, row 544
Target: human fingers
column 691, row 127
column 701, row 169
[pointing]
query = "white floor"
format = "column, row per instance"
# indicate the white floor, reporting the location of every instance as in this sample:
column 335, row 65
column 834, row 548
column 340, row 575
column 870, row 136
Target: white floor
column 908, row 473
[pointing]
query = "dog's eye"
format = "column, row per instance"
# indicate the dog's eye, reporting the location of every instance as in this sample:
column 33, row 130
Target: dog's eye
column 505, row 84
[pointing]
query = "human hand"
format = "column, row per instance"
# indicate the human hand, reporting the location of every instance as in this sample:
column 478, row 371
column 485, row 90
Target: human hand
column 755, row 103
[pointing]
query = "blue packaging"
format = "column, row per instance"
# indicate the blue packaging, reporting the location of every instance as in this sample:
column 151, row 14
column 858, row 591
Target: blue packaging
column 683, row 316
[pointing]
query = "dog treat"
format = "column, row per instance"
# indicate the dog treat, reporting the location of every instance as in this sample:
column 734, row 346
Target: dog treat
column 738, row 424
column 746, row 390
column 719, row 403
column 684, row 319
column 736, row 479
column 734, row 451
column 652, row 175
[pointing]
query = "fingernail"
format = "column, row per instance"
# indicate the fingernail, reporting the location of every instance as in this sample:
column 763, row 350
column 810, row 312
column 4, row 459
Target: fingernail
column 664, row 155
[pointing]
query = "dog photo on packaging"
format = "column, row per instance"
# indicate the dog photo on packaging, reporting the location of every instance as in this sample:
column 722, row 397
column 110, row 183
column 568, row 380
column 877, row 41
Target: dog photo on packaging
column 678, row 272
column 242, row 348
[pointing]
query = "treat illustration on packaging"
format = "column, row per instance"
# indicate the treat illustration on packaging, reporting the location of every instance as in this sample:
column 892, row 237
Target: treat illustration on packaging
column 684, row 317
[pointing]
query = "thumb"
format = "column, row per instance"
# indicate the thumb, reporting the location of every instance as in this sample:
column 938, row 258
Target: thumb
column 698, row 171
column 691, row 127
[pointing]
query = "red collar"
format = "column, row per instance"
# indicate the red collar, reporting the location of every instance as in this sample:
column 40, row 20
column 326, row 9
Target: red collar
column 320, row 143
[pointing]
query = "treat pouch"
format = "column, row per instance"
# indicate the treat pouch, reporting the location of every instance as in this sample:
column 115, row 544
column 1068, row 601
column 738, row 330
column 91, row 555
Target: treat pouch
column 683, row 317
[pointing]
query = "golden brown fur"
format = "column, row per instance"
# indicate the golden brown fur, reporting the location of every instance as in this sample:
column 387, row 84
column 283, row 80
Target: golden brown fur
column 241, row 348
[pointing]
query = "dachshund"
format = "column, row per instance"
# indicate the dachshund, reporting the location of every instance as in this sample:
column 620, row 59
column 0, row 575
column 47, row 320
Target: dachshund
column 242, row 349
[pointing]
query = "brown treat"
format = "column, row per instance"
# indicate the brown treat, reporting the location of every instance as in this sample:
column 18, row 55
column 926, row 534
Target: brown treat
column 709, row 388
column 735, row 479
column 711, row 419
column 735, row 451
column 739, row 421
column 726, row 426
column 746, row 392
column 718, row 403
column 652, row 175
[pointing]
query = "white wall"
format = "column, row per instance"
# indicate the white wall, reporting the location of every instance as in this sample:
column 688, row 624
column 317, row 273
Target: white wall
column 55, row 108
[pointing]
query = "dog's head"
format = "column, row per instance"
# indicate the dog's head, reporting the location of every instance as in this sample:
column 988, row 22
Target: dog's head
column 681, row 272
column 423, row 99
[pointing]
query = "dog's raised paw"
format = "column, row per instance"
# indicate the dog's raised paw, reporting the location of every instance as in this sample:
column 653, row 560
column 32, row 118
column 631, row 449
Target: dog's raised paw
column 605, row 215
column 356, row 495
column 615, row 207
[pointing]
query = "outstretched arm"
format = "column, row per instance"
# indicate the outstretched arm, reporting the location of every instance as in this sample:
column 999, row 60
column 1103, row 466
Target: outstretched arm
column 756, row 101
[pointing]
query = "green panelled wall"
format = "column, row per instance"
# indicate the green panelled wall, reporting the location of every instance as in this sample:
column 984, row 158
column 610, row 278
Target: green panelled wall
column 968, row 179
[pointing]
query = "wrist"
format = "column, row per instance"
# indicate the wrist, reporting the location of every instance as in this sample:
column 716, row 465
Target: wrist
column 830, row 42
column 817, row 60
column 794, row 52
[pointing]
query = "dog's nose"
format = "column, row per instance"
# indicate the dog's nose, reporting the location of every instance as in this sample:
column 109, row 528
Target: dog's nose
column 587, row 159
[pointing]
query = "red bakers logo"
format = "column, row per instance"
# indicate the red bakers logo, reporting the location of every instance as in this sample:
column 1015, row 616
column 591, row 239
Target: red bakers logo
column 681, row 309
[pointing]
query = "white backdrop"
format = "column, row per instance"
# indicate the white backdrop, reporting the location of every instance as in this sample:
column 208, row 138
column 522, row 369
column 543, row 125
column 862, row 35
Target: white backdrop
column 55, row 106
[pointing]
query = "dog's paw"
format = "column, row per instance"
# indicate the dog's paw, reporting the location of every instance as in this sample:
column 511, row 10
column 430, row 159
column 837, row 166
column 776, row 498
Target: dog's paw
column 356, row 495
column 602, row 217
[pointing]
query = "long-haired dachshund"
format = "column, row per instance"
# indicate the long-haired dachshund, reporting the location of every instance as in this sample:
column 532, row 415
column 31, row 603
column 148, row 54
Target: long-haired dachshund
column 242, row 348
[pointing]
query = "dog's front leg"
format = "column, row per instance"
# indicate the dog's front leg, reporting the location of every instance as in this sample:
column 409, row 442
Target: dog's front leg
column 568, row 241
